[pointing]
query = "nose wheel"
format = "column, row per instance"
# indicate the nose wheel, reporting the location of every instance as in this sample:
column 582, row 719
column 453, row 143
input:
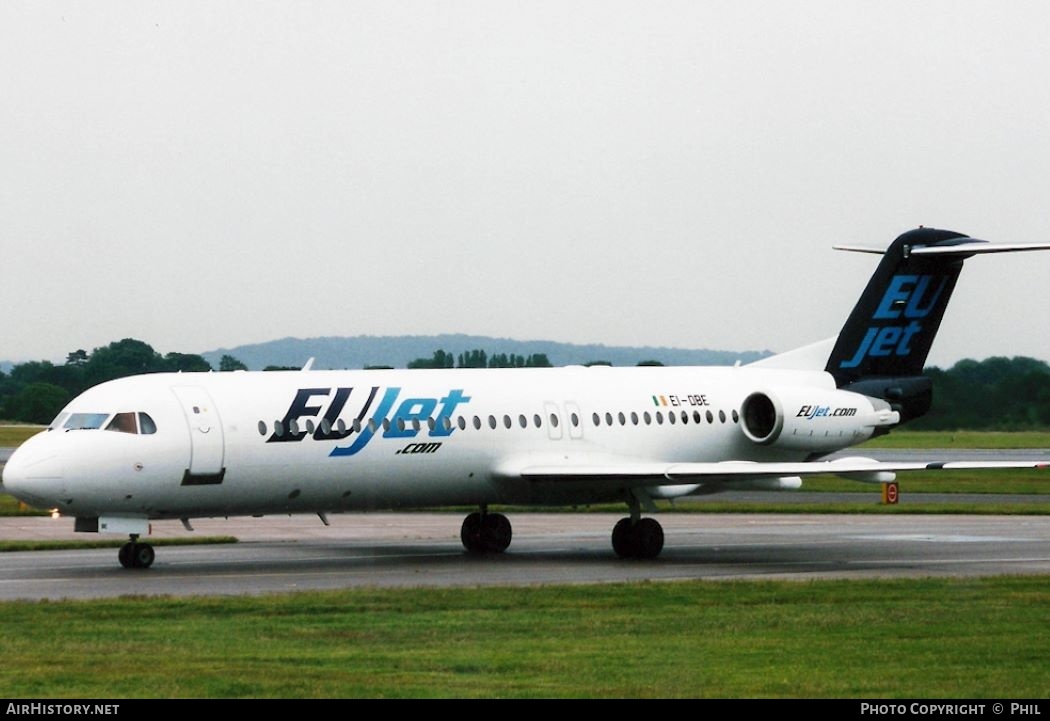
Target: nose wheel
column 136, row 555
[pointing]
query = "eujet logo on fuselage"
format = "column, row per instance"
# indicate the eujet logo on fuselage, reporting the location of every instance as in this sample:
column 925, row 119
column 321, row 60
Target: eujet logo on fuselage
column 811, row 412
column 410, row 418
column 908, row 298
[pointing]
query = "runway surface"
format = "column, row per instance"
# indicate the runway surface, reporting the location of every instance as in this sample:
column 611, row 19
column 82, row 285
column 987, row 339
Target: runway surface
column 422, row 549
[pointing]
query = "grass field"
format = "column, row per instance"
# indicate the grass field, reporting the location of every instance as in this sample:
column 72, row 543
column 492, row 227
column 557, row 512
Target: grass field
column 9, row 506
column 995, row 481
column 961, row 439
column 827, row 507
column 14, row 435
column 884, row 639
column 713, row 504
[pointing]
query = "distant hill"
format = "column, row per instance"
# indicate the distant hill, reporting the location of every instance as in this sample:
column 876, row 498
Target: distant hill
column 6, row 366
column 397, row 351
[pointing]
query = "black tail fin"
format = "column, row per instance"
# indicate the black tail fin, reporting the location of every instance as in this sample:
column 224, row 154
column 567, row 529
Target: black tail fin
column 882, row 349
column 891, row 329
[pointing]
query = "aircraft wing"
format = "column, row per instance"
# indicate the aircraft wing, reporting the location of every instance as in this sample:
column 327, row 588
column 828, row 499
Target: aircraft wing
column 860, row 469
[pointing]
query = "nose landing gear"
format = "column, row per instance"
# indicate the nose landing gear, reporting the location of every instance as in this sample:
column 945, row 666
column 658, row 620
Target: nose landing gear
column 136, row 555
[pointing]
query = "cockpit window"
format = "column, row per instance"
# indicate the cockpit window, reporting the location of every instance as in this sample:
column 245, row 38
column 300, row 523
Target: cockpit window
column 59, row 420
column 124, row 423
column 85, row 421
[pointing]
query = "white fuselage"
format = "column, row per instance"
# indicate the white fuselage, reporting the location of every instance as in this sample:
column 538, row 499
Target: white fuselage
column 309, row 441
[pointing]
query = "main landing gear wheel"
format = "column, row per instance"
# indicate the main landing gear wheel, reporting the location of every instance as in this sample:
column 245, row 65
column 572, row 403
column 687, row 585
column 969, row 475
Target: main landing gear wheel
column 641, row 539
column 136, row 555
column 486, row 533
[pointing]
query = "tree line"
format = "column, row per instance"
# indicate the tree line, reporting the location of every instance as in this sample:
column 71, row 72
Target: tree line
column 994, row 394
column 478, row 358
column 36, row 391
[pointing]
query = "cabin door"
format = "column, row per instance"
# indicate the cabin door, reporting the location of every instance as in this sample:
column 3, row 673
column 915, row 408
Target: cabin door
column 206, row 442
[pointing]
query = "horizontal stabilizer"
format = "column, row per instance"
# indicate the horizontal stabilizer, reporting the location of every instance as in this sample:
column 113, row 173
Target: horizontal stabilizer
column 974, row 247
column 860, row 249
column 971, row 247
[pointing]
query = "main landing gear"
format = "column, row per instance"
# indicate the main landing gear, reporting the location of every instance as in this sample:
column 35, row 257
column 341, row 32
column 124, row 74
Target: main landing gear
column 644, row 539
column 485, row 532
column 136, row 555
column 637, row 537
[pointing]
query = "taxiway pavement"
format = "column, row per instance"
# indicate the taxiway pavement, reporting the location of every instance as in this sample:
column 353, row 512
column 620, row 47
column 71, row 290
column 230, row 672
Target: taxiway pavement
column 400, row 550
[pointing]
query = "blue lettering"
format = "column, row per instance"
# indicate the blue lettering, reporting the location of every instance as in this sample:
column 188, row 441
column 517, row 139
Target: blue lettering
column 909, row 292
column 448, row 407
column 911, row 329
column 411, row 409
column 368, row 430
column 406, row 422
column 913, row 310
column 862, row 351
column 908, row 296
column 895, row 295
column 885, row 341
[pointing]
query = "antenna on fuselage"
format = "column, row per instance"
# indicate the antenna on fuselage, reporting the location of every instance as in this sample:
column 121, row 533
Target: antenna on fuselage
column 309, row 364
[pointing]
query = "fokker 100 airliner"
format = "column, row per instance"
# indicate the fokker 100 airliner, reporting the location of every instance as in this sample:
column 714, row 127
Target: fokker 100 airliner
column 182, row 446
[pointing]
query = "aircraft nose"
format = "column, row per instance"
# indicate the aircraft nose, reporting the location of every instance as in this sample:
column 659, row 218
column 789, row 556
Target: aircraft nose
column 12, row 474
column 32, row 477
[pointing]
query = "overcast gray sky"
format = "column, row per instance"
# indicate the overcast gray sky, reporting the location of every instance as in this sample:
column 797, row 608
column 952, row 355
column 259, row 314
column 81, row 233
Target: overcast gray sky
column 205, row 174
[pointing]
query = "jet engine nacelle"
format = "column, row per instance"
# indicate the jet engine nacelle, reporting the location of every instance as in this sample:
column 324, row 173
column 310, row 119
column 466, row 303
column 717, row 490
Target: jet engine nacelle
column 814, row 419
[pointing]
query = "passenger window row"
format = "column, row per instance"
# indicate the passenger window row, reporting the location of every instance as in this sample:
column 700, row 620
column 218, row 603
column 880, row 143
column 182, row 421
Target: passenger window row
column 493, row 422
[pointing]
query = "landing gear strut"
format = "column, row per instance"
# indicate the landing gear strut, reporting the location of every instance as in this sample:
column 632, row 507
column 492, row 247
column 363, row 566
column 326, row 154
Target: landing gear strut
column 637, row 537
column 485, row 532
column 136, row 555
